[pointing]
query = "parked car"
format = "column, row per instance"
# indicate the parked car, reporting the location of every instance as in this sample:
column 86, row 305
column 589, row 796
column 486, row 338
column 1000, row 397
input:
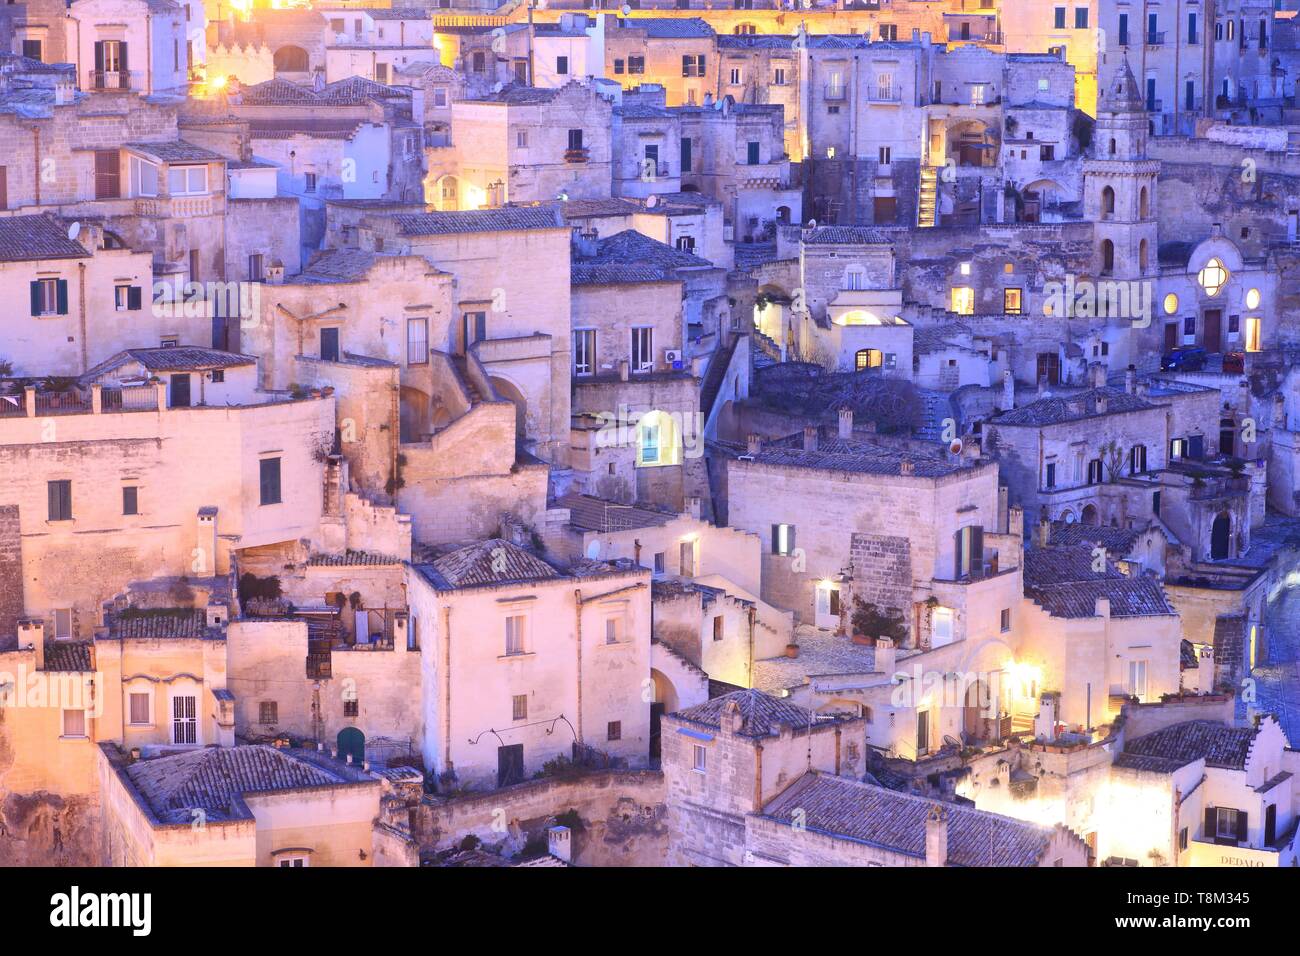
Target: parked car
column 1188, row 358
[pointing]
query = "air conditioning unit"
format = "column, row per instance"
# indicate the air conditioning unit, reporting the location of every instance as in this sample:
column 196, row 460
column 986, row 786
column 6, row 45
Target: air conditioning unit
column 673, row 357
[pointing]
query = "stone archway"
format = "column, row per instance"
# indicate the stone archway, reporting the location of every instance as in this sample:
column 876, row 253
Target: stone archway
column 415, row 422
column 511, row 393
column 291, row 59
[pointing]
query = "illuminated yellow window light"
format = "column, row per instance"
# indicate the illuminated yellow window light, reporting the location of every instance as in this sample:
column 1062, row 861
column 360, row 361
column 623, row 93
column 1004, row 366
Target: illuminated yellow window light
column 1252, row 299
column 1213, row 277
column 963, row 300
column 1171, row 304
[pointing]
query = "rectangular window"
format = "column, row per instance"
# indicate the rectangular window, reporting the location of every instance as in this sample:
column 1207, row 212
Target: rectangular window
column 693, row 64
column 60, row 499
column 687, row 165
column 752, row 154
column 309, row 182
column 735, row 76
column 32, row 49
column 329, row 345
column 255, row 267
column 562, row 65
column 515, row 626
column 269, row 474
column 1058, row 19
column 178, row 391
column 699, row 761
column 108, row 174
column 49, row 297
column 1123, row 29
column 619, row 67
column 1005, row 623
column 782, row 539
column 144, row 177
column 686, row 560
column 661, row 559
column 611, row 630
column 473, row 327
column 74, row 723
column 63, row 624
column 614, row 730
column 636, row 64
column 417, row 341
column 187, row 180
column 521, row 139
column 139, row 708
column 643, row 349
column 942, row 631
column 718, row 625
column 351, row 707
column 1137, row 679
column 268, row 712
column 1011, row 301
column 1050, row 480
column 1226, row 823
column 575, row 140
column 1191, row 29
column 185, row 723
column 963, row 300
column 519, row 707
column 778, row 76
column 130, row 500
column 1081, row 18
column 584, row 352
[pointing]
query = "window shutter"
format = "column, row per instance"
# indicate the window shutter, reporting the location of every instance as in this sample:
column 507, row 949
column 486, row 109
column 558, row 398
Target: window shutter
column 977, row 552
column 1242, row 826
column 124, row 69
column 700, row 61
column 36, row 297
column 53, row 492
column 133, row 297
column 686, row 64
column 1211, row 823
column 790, row 541
column 63, row 296
column 99, row 56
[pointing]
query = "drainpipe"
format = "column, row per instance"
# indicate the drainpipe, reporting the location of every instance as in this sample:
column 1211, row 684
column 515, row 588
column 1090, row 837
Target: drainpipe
column 758, row 777
column 577, row 602
column 446, row 683
column 148, row 40
column 81, row 313
column 839, row 733
column 749, row 666
column 36, row 139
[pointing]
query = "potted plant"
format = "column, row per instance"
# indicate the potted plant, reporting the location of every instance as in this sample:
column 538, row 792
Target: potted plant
column 870, row 623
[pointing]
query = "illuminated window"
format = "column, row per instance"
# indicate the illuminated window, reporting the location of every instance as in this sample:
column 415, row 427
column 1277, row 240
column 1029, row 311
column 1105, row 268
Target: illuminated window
column 1171, row 304
column 868, row 358
column 1252, row 299
column 1011, row 301
column 1213, row 277
column 965, row 268
column 963, row 300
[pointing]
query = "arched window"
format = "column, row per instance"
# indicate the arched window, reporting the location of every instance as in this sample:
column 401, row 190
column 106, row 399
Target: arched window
column 1107, row 257
column 1112, row 146
column 1144, row 204
column 1107, row 203
column 658, row 440
column 291, row 59
column 1142, row 255
column 1221, row 537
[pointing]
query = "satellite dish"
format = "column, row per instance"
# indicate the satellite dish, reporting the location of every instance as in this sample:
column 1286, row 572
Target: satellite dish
column 812, row 223
column 651, row 201
column 74, row 230
column 955, row 446
column 627, row 10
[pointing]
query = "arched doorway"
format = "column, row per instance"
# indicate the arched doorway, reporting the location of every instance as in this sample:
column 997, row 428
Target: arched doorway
column 508, row 391
column 1221, row 536
column 978, row 712
column 1107, row 257
column 290, row 59
column 1089, row 515
column 352, row 743
column 665, row 702
column 414, row 422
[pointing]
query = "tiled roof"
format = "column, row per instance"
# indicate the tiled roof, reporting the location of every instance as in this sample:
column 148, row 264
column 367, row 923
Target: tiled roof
column 599, row 208
column 665, row 28
column 1063, row 583
column 177, row 151
column 491, row 562
column 215, row 779
column 589, row 513
column 24, row 238
column 506, row 219
column 1075, row 407
column 159, row 622
column 68, row 657
column 1118, row 541
column 846, row 235
column 821, row 654
column 277, row 92
column 171, row 358
column 881, row 817
column 516, row 94
column 630, row 256
column 351, row 559
column 850, row 455
column 762, row 715
column 1164, row 751
column 337, row 265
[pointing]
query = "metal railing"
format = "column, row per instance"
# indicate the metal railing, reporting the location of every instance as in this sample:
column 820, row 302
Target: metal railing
column 110, row 80
column 129, row 398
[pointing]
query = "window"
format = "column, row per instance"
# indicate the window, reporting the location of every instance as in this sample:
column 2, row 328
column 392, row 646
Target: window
column 718, row 624
column 612, row 630
column 661, row 558
column 269, row 474
column 351, row 707
column 963, row 300
column 752, row 154
column 1058, row 19
column 1191, row 29
column 255, row 269
column 1182, row 834
column 584, row 351
column 686, row 154
column 735, row 76
column 292, row 861
column 139, row 703
column 1227, row 823
column 519, row 707
column 782, row 539
column 693, row 64
column 185, row 724
column 127, row 298
column 686, row 562
column 479, row 61
column 1011, row 299
column 515, row 627
column 685, row 244
column 778, row 76
column 1212, row 277
column 1081, row 18
column 1137, row 459
column 218, row 375
column 699, row 761
column 329, row 345
column 187, row 180
column 474, row 327
column 1137, row 679
column 108, row 174
column 440, row 97
column 619, row 67
column 636, row 64
column 643, row 349
column 417, row 341
column 130, row 500
column 60, row 499
column 614, row 730
column 49, row 297
column 1050, row 480
column 649, row 444
column 74, row 723
column 309, row 182
column 521, row 139
column 575, row 140
column 63, row 624
column 32, row 49
column 268, row 712
column 562, row 65
column 1005, row 623
column 1094, row 472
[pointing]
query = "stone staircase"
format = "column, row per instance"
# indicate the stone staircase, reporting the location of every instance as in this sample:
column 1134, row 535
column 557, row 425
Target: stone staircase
column 937, row 408
column 928, row 197
column 713, row 378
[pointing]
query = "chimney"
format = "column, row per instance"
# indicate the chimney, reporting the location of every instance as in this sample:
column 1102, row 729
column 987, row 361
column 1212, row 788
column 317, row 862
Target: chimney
column 1097, row 374
column 810, row 438
column 275, row 273
column 1102, row 608
column 1042, row 385
column 1131, row 379
column 1101, row 404
column 846, row 422
column 755, row 444
column 905, row 467
column 1008, row 390
column 217, row 614
column 559, row 843
column 693, row 505
column 31, row 633
column 205, row 543
column 885, row 656
column 936, row 836
column 733, row 721
column 1016, row 522
column 1044, row 532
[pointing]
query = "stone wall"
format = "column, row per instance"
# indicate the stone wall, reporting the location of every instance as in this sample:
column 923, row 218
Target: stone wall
column 882, row 572
column 11, row 574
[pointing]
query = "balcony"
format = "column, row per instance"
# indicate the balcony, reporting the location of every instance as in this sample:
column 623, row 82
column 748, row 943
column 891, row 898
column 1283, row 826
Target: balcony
column 577, row 155
column 1155, row 38
column 110, row 80
column 885, row 94
column 178, row 207
column 834, row 92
